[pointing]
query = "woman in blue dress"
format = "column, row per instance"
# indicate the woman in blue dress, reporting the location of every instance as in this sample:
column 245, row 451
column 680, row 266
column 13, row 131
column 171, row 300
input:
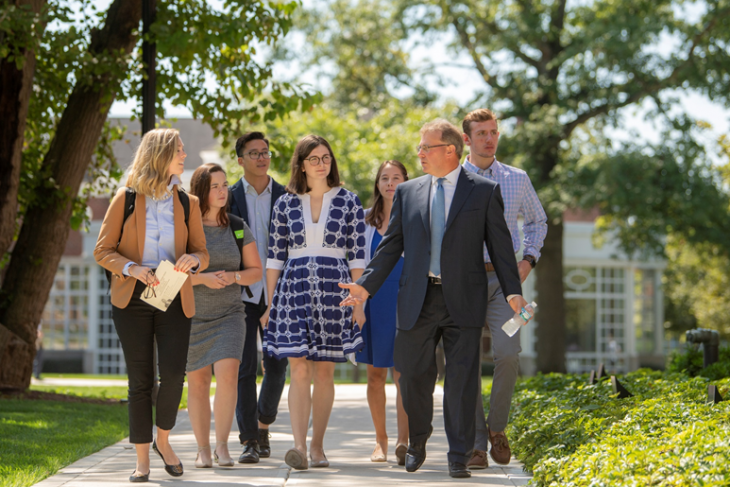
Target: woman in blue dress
column 379, row 335
column 317, row 240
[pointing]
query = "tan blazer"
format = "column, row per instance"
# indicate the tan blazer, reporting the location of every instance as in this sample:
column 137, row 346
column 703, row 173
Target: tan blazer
column 190, row 239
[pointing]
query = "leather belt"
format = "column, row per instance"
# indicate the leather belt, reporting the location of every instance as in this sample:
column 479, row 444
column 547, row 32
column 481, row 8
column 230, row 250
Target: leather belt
column 434, row 280
column 489, row 267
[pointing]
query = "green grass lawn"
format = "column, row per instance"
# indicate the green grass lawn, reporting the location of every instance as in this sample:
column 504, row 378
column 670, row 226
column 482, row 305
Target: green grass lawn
column 38, row 438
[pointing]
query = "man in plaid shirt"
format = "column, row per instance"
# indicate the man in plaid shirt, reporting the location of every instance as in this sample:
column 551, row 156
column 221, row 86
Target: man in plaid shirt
column 481, row 134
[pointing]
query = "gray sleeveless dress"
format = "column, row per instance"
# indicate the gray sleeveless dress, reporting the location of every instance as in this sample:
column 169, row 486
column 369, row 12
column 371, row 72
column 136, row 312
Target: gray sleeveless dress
column 219, row 328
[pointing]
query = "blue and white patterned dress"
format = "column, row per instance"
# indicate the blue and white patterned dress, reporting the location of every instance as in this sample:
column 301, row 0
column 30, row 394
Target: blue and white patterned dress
column 306, row 319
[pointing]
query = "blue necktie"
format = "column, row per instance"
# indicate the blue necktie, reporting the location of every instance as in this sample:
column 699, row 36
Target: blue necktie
column 438, row 223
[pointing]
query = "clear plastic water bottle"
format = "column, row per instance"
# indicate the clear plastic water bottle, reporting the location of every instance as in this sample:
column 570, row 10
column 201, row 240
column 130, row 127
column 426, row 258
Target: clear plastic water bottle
column 519, row 319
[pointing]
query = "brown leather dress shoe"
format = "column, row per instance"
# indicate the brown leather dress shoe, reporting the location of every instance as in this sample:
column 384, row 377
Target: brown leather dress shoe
column 500, row 451
column 478, row 460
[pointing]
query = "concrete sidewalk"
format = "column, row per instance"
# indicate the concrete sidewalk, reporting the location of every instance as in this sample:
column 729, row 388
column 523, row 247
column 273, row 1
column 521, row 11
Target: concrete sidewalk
column 348, row 443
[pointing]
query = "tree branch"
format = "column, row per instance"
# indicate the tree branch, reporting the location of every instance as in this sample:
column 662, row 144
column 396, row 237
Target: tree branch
column 649, row 88
column 553, row 46
column 601, row 110
column 511, row 44
column 469, row 45
column 558, row 19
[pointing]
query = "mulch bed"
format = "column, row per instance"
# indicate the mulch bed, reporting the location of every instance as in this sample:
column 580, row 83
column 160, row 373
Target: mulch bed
column 29, row 395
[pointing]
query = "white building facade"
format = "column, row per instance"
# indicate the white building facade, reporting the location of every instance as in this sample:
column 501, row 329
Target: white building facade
column 614, row 307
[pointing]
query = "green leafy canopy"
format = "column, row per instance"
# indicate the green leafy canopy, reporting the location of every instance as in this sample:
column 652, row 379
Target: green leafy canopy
column 211, row 60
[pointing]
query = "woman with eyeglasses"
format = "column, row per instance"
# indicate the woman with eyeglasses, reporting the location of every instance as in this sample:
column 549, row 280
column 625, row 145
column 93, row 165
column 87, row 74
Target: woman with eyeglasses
column 218, row 330
column 316, row 240
column 149, row 221
column 380, row 312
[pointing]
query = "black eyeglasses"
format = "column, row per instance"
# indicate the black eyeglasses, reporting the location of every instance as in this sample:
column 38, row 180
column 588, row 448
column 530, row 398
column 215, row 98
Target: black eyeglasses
column 316, row 161
column 149, row 291
column 255, row 155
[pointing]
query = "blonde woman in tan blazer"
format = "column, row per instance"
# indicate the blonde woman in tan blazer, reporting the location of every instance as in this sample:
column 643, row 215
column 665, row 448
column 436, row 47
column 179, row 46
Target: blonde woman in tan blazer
column 131, row 250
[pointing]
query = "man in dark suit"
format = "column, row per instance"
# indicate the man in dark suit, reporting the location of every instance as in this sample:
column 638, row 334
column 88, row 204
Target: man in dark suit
column 252, row 198
column 442, row 221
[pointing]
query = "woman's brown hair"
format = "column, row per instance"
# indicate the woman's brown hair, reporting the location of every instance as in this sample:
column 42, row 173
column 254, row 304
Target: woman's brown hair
column 200, row 187
column 298, row 181
column 375, row 216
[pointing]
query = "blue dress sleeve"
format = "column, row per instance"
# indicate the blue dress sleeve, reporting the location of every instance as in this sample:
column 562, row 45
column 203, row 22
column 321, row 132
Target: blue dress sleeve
column 356, row 235
column 278, row 235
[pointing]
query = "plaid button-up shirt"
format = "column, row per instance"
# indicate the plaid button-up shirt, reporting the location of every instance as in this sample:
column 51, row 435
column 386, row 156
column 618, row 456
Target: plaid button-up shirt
column 519, row 198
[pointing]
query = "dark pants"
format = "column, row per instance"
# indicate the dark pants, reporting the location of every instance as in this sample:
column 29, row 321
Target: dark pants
column 416, row 361
column 138, row 325
column 248, row 411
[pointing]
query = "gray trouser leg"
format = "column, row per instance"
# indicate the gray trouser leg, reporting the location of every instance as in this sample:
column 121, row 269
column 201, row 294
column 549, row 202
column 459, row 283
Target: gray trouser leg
column 505, row 351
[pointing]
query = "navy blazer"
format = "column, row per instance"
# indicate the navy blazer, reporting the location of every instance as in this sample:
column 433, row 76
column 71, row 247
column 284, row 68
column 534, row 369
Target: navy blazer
column 237, row 198
column 476, row 217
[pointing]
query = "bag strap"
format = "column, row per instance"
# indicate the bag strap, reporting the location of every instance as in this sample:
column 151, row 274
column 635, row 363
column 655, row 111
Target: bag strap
column 236, row 226
column 185, row 202
column 130, row 197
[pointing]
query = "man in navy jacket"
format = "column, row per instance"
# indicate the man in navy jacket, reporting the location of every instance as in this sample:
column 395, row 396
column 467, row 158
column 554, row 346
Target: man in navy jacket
column 252, row 198
column 442, row 221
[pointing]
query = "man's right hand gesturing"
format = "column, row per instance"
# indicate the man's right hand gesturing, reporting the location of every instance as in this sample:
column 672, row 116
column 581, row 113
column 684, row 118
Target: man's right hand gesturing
column 358, row 294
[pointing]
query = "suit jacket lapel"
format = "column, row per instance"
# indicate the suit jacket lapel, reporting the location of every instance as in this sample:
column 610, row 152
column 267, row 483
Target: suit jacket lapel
column 464, row 186
column 276, row 191
column 424, row 203
column 140, row 213
column 239, row 194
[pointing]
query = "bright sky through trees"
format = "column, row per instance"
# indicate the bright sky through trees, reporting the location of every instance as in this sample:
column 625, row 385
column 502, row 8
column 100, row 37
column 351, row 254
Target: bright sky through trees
column 461, row 82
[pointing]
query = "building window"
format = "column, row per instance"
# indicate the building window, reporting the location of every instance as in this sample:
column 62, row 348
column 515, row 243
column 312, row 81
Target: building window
column 595, row 318
column 645, row 310
column 66, row 315
column 580, row 321
column 109, row 358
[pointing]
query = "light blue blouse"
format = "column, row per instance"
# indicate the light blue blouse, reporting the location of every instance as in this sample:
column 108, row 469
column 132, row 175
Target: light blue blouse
column 159, row 237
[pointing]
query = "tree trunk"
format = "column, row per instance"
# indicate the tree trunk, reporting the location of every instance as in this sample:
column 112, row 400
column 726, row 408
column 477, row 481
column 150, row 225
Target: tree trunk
column 16, row 361
column 550, row 332
column 46, row 226
column 16, row 86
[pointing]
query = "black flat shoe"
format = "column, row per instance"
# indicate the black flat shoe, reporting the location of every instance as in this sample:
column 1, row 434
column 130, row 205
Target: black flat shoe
column 174, row 470
column 458, row 470
column 139, row 478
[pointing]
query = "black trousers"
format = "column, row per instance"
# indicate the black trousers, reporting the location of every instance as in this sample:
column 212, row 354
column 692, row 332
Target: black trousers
column 415, row 359
column 249, row 411
column 137, row 326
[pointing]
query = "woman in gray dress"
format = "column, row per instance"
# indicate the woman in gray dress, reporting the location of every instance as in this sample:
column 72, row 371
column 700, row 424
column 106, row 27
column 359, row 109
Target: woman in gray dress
column 218, row 328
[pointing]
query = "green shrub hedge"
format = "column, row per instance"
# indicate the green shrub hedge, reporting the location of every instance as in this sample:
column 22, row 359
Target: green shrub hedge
column 691, row 359
column 570, row 433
